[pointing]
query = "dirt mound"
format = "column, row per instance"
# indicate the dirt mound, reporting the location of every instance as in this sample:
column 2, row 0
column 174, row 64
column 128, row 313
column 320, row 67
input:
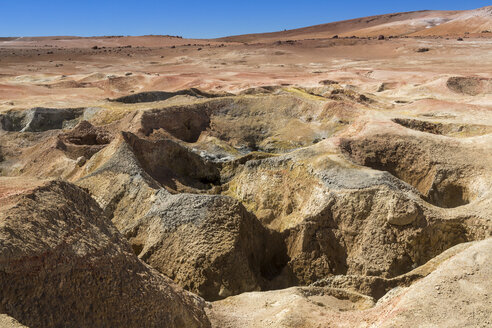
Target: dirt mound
column 63, row 264
column 383, row 239
column 267, row 89
column 86, row 134
column 472, row 86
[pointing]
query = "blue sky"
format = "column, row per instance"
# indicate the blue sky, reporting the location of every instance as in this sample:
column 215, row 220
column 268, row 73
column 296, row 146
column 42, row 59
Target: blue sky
column 199, row 19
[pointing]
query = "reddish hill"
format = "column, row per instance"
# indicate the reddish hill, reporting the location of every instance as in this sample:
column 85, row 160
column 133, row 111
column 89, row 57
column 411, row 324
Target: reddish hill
column 471, row 21
column 414, row 23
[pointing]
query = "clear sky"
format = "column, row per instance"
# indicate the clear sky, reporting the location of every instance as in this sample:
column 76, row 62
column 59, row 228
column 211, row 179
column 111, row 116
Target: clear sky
column 198, row 19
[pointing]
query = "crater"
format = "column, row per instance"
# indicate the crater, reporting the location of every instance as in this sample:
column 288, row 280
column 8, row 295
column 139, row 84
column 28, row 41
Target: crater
column 172, row 165
column 83, row 140
column 408, row 162
column 40, row 119
column 414, row 162
column 273, row 123
column 183, row 122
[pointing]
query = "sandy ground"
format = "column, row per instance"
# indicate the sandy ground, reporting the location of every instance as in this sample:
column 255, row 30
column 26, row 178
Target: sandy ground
column 41, row 72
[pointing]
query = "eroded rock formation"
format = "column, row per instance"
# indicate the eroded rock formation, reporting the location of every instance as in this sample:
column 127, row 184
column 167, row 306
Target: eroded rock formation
column 276, row 187
column 62, row 263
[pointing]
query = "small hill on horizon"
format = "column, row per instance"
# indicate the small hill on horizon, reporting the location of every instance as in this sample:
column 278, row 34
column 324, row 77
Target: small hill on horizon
column 415, row 23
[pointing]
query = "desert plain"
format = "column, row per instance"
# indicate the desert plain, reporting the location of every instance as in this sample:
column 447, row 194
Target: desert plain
column 338, row 175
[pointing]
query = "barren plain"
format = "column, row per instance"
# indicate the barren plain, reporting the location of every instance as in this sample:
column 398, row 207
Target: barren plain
column 332, row 176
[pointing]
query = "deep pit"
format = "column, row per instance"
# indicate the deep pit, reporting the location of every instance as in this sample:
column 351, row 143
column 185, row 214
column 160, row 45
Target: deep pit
column 413, row 162
column 448, row 195
column 40, row 119
column 173, row 165
column 83, row 140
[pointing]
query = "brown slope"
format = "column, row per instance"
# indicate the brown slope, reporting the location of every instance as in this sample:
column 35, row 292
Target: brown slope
column 416, row 23
column 471, row 21
column 63, row 264
column 351, row 26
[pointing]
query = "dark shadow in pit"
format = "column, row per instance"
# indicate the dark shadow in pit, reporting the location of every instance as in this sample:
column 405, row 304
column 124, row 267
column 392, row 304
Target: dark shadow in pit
column 469, row 85
column 408, row 161
column 151, row 96
column 83, row 140
column 173, row 165
column 38, row 119
column 447, row 129
column 448, row 196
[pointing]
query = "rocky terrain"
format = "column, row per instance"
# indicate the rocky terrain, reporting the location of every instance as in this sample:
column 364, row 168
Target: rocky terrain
column 294, row 179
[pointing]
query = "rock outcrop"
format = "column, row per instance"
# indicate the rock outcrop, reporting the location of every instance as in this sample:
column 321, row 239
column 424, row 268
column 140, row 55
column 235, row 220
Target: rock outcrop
column 62, row 263
column 209, row 244
column 39, row 119
column 328, row 193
